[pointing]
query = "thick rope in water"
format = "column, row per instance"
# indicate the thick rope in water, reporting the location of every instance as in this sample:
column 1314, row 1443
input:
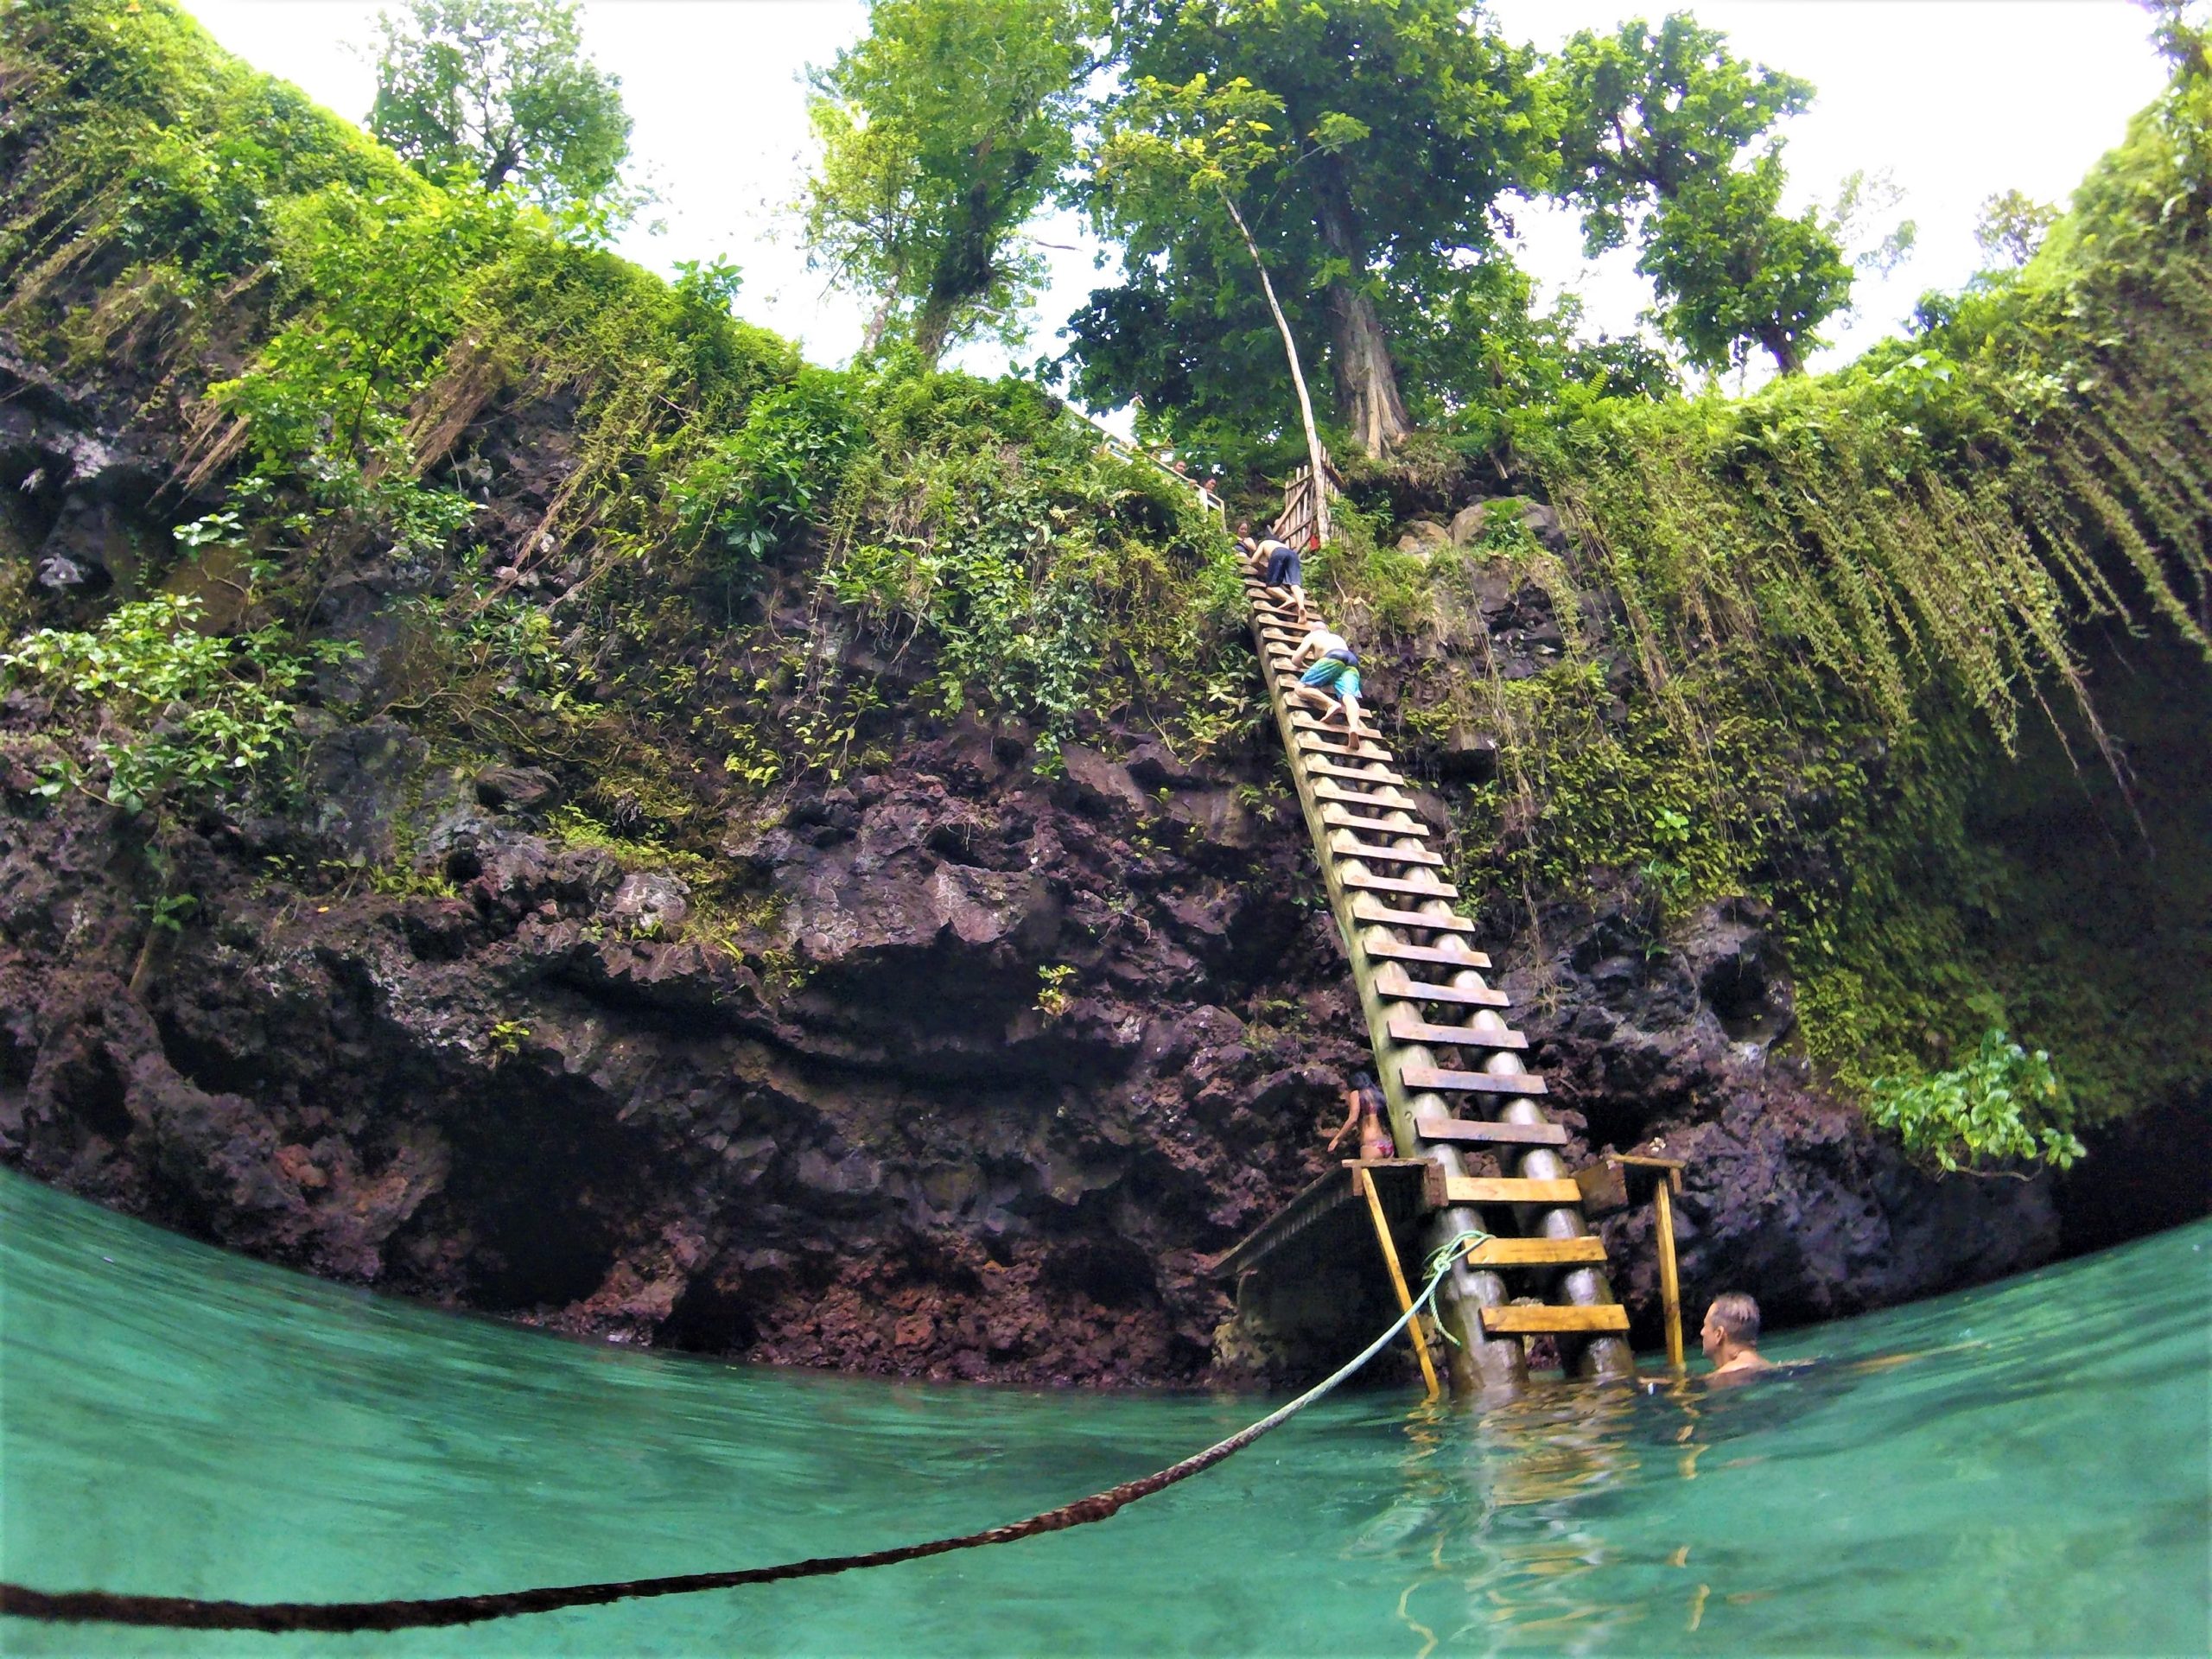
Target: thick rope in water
column 277, row 1618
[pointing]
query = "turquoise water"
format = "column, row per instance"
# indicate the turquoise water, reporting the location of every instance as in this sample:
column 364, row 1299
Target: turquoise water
column 2022, row 1469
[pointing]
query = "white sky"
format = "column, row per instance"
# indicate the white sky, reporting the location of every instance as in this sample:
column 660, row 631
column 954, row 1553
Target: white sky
column 1958, row 98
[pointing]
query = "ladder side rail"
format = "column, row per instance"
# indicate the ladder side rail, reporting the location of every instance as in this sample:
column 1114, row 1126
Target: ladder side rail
column 1483, row 1361
column 1480, row 1360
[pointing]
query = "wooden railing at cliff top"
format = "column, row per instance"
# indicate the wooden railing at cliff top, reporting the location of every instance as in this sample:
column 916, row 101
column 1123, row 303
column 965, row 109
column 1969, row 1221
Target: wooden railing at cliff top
column 1450, row 1065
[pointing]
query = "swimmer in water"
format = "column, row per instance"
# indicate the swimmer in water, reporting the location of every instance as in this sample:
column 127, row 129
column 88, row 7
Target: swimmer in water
column 1730, row 1337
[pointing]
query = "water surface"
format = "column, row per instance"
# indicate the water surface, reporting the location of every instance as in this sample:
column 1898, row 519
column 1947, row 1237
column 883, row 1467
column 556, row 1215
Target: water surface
column 2021, row 1469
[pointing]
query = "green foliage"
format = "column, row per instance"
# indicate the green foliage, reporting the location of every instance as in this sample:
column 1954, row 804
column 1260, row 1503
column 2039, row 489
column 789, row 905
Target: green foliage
column 1662, row 122
column 1366, row 140
column 1052, row 999
column 2011, row 226
column 943, row 132
column 381, row 283
column 1056, row 581
column 2004, row 1105
column 749, row 493
column 185, row 719
column 494, row 92
column 1834, row 611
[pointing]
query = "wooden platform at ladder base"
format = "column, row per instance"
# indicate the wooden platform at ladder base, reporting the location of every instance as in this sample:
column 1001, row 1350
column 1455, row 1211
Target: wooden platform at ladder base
column 1508, row 1189
column 1331, row 1211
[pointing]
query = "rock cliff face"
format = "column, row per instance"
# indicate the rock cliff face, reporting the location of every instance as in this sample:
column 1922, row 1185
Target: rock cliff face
column 1001, row 1060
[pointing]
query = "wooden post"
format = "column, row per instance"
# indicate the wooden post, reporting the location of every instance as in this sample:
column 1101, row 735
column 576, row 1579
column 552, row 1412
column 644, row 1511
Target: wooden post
column 1670, row 1284
column 1398, row 1282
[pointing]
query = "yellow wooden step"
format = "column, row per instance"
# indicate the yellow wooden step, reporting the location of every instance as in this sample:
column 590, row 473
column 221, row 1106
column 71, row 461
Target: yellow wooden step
column 1407, row 1026
column 1537, row 1253
column 1509, row 1189
column 1546, row 1321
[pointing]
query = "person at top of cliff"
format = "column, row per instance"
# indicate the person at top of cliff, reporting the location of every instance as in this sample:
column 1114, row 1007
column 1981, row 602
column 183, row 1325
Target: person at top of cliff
column 1730, row 1337
column 1365, row 1109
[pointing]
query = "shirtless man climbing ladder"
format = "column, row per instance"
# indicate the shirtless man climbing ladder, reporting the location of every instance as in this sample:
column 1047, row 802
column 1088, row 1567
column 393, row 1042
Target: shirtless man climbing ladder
column 1329, row 676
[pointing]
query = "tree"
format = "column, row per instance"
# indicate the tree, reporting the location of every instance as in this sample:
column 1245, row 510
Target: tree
column 942, row 133
column 1399, row 124
column 499, row 92
column 1203, row 145
column 2011, row 226
column 1658, row 130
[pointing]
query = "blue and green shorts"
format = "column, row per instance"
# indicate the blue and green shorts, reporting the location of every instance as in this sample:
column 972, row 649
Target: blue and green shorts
column 1336, row 677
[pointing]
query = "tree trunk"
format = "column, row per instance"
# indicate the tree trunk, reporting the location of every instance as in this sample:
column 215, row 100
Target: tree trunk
column 968, row 263
column 1367, row 398
column 1789, row 357
column 933, row 323
column 1320, row 468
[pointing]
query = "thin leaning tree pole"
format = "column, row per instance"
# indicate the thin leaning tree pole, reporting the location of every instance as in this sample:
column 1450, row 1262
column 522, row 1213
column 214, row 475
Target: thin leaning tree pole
column 1319, row 482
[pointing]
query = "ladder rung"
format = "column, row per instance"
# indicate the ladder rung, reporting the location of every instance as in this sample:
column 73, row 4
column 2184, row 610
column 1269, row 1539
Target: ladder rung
column 1352, row 847
column 1392, row 981
column 1342, row 817
column 1326, row 742
column 1510, row 1321
column 1330, row 769
column 1509, row 1189
column 1407, row 1026
column 1328, row 789
column 1482, row 1132
column 1428, row 889
column 1314, row 742
column 1536, row 1253
column 1396, row 952
column 1417, row 1077
column 1364, row 909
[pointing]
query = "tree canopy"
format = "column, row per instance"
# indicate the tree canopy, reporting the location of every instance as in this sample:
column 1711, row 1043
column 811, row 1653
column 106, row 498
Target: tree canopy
column 1372, row 150
column 1393, row 127
column 943, row 131
column 500, row 91
column 1665, row 131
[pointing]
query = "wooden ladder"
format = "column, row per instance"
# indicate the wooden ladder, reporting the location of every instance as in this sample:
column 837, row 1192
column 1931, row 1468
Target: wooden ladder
column 1450, row 1065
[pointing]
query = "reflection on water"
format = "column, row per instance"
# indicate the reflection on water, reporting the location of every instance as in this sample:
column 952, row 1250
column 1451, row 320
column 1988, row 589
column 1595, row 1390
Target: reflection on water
column 2020, row 1469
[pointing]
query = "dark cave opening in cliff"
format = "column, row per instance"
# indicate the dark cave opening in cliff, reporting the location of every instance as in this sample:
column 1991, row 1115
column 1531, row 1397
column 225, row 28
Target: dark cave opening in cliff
column 709, row 1317
column 539, row 1177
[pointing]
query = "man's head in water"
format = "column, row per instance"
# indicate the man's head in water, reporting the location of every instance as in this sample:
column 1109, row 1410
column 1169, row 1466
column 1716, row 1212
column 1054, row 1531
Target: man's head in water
column 1731, row 1335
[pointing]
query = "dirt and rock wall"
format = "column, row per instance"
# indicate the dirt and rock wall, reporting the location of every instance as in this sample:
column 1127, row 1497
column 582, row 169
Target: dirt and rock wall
column 1003, row 1061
